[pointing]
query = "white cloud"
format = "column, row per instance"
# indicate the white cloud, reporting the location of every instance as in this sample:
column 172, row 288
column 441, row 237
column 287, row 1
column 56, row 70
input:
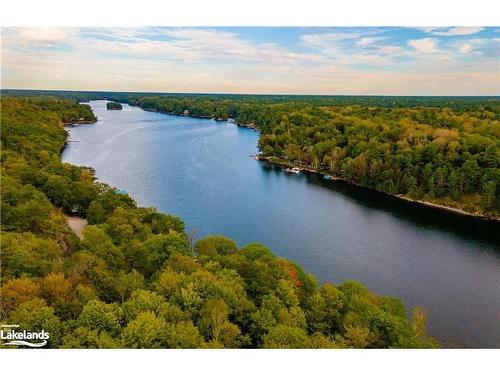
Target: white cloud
column 353, row 47
column 214, row 60
column 44, row 36
column 455, row 31
column 425, row 45
column 487, row 48
column 367, row 41
column 188, row 45
column 451, row 31
column 211, row 44
column 327, row 39
column 466, row 48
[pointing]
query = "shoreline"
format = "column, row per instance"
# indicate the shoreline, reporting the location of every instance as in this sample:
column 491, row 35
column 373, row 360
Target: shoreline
column 441, row 207
column 450, row 209
column 217, row 119
column 72, row 124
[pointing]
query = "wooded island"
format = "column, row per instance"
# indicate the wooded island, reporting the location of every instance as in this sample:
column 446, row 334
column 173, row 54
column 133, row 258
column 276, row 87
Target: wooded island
column 114, row 106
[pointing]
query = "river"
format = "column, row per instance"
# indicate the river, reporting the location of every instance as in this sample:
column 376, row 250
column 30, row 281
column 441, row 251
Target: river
column 201, row 171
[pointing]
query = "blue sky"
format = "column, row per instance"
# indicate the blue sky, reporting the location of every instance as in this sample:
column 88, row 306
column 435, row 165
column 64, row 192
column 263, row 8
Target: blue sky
column 316, row 60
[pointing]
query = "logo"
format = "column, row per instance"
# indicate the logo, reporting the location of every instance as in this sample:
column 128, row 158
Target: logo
column 22, row 338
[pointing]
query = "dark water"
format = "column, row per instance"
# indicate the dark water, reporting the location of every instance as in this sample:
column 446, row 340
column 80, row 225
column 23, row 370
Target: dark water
column 201, row 170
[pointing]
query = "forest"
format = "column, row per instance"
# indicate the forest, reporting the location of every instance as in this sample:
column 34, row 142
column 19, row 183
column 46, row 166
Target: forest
column 136, row 279
column 442, row 150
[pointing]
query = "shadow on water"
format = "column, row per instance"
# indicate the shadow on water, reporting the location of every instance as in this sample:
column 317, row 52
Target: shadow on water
column 462, row 226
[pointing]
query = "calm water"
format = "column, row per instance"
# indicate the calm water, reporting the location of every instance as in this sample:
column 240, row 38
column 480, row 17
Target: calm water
column 201, row 170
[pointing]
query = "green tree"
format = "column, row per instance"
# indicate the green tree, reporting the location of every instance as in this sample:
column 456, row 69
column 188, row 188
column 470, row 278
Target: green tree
column 96, row 240
column 127, row 283
column 35, row 316
column 145, row 331
column 86, row 338
column 27, row 255
column 215, row 245
column 101, row 316
column 213, row 317
column 183, row 335
column 282, row 336
column 488, row 196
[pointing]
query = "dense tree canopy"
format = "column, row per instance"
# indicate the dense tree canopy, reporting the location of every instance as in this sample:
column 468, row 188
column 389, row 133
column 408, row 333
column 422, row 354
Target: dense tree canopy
column 113, row 106
column 440, row 150
column 135, row 280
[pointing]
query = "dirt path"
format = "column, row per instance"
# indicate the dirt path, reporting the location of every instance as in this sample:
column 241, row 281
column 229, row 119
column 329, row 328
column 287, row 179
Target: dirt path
column 77, row 224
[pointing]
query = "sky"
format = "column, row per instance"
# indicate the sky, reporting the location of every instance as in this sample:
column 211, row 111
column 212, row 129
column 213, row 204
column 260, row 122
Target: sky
column 258, row 60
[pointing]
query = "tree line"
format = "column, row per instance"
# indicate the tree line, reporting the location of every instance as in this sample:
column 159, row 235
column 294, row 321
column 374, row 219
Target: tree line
column 136, row 279
column 440, row 150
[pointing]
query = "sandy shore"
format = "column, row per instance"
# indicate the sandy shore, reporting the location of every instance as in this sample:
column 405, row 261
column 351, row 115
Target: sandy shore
column 446, row 208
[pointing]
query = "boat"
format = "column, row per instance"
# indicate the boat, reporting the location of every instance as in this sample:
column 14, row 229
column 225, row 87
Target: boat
column 327, row 177
column 293, row 170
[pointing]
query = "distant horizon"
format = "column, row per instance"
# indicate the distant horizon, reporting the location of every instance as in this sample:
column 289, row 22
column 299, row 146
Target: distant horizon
column 352, row 61
column 247, row 94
